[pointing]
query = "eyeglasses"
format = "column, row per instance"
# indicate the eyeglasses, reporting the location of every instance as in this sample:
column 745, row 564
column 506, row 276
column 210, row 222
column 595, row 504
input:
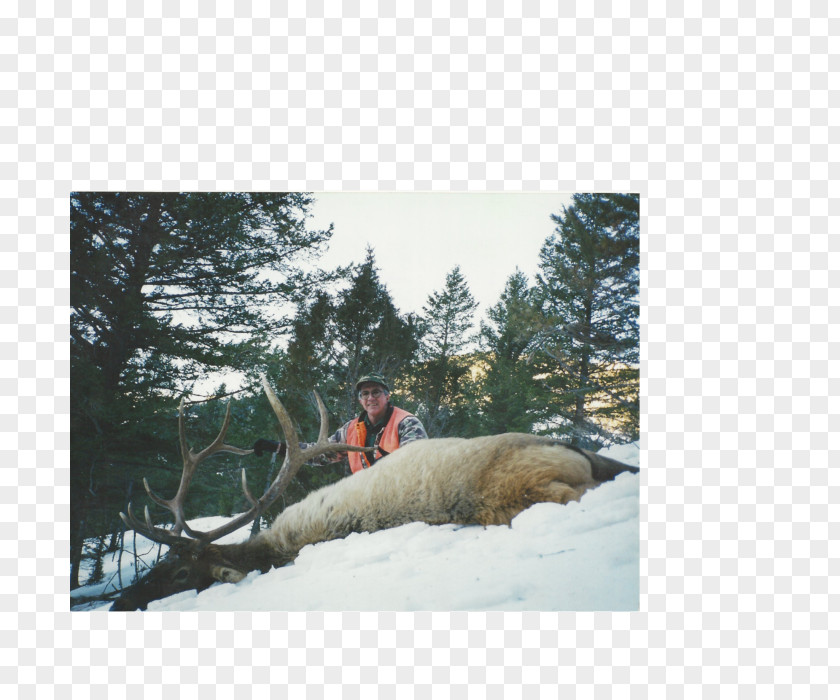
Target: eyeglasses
column 373, row 393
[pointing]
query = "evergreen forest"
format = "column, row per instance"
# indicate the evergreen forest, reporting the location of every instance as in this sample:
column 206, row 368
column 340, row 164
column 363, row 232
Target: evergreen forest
column 170, row 289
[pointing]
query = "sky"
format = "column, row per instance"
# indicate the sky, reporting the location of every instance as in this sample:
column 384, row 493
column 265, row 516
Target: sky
column 579, row 556
column 418, row 238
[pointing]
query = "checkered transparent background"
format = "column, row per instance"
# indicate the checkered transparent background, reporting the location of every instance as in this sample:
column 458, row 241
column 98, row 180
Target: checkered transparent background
column 726, row 120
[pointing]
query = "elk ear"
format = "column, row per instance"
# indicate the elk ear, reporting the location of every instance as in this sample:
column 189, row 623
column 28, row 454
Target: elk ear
column 226, row 574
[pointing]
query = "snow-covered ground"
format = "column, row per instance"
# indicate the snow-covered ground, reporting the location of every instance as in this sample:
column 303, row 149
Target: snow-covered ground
column 581, row 556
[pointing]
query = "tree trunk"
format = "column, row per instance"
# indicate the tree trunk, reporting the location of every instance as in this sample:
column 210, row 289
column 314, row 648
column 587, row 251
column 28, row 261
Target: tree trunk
column 77, row 528
column 580, row 421
column 98, row 570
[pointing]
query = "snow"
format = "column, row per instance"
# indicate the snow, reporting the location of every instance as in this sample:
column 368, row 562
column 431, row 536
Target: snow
column 581, row 556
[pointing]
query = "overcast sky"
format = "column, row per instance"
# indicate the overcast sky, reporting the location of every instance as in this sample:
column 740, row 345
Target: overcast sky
column 419, row 237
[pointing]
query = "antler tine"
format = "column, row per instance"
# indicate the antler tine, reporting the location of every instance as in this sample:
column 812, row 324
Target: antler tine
column 246, row 490
column 292, row 445
column 322, row 446
column 219, row 445
column 152, row 495
column 148, row 530
column 322, row 411
column 191, row 460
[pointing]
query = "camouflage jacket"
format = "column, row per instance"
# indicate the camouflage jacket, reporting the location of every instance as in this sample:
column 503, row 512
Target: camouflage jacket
column 409, row 430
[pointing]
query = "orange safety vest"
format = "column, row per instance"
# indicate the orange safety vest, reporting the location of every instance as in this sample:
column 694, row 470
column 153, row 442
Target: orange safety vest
column 357, row 434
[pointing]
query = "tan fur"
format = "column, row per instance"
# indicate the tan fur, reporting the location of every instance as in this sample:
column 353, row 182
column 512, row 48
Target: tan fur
column 481, row 481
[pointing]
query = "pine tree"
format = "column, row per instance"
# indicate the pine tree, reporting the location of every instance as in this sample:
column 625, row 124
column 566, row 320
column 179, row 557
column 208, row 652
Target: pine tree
column 310, row 354
column 370, row 335
column 590, row 290
column 447, row 322
column 510, row 399
column 165, row 286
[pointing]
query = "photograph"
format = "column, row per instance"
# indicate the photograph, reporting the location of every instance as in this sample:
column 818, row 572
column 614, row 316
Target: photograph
column 354, row 401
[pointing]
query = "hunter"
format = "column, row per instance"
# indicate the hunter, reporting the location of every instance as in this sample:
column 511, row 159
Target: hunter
column 380, row 425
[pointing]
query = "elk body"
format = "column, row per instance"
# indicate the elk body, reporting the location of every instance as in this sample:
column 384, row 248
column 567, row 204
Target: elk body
column 478, row 481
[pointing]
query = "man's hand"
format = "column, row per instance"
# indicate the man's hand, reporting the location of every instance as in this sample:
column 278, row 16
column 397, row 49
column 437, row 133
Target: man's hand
column 263, row 446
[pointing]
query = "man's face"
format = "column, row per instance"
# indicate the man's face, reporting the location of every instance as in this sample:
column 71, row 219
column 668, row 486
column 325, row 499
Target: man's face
column 373, row 399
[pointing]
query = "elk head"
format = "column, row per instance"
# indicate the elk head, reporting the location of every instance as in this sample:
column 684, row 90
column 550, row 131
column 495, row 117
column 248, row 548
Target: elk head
column 184, row 568
column 193, row 562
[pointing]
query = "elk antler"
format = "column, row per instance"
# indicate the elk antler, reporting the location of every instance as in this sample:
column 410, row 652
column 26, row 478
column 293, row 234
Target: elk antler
column 295, row 458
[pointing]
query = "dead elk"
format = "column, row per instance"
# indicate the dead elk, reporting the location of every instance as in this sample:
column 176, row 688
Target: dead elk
column 478, row 481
